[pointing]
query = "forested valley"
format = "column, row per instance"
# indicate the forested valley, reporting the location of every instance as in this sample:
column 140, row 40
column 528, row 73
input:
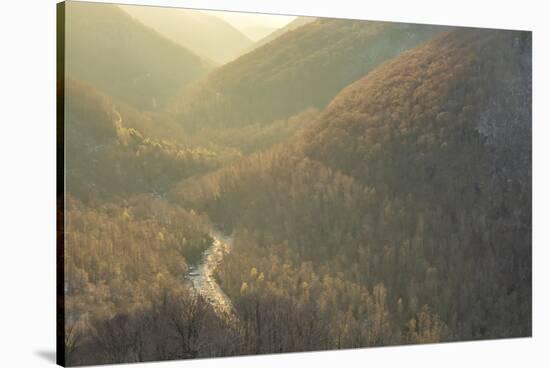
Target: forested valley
column 374, row 179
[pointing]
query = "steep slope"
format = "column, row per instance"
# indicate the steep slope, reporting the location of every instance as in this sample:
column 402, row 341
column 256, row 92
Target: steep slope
column 418, row 176
column 464, row 90
column 303, row 68
column 106, row 158
column 204, row 34
column 296, row 23
column 107, row 48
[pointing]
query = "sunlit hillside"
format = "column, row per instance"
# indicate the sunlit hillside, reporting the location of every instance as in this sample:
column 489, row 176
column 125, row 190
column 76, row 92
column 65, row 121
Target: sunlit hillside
column 107, row 48
column 337, row 184
column 204, row 34
column 301, row 69
column 296, row 23
column 410, row 169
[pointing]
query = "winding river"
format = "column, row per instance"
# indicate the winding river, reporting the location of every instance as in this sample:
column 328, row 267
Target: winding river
column 202, row 276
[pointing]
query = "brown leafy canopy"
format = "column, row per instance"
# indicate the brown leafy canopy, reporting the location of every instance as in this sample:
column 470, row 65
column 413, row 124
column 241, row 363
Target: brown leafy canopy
column 120, row 255
column 287, row 305
column 419, row 179
column 444, row 93
column 399, row 215
column 303, row 68
column 445, row 136
column 122, row 259
column 105, row 158
column 257, row 137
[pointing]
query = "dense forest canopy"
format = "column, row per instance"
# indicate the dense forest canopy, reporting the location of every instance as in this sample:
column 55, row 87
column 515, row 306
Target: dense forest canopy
column 107, row 157
column 373, row 180
column 413, row 168
column 302, row 68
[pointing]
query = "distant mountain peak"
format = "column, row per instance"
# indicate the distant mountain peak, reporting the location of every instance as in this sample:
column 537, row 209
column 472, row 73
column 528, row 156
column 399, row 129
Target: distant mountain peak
column 205, row 34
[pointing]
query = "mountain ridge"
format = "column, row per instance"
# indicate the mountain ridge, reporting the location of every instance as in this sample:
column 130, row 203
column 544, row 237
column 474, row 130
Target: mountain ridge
column 423, row 161
column 301, row 69
column 296, row 23
column 120, row 56
column 218, row 40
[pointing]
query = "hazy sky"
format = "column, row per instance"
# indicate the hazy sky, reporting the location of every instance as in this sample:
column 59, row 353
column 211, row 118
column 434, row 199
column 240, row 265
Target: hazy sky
column 255, row 26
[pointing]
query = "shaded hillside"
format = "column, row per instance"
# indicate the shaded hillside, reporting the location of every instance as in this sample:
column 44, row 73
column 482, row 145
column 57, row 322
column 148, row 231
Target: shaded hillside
column 256, row 137
column 107, row 48
column 463, row 90
column 204, row 34
column 107, row 158
column 296, row 23
column 444, row 136
column 417, row 177
column 301, row 69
